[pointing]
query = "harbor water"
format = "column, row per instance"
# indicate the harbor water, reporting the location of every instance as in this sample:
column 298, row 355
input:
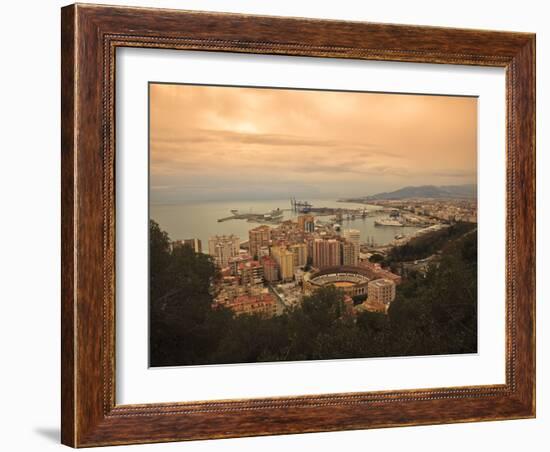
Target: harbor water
column 200, row 219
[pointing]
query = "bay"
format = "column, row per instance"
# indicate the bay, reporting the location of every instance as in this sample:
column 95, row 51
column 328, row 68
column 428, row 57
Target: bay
column 200, row 219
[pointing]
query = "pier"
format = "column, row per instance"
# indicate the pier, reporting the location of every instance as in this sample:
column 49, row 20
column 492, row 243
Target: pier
column 300, row 206
column 339, row 212
column 273, row 217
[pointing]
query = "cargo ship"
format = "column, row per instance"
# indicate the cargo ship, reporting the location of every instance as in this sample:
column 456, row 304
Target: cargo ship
column 388, row 222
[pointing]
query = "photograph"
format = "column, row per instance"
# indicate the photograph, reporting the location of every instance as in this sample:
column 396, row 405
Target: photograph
column 303, row 224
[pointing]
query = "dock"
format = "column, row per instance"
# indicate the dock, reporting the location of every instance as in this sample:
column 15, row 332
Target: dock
column 275, row 216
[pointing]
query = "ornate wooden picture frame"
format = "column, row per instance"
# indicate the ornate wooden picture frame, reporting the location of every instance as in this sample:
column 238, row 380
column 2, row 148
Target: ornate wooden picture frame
column 90, row 37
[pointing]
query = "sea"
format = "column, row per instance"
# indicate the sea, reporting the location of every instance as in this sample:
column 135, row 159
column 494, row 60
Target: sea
column 199, row 220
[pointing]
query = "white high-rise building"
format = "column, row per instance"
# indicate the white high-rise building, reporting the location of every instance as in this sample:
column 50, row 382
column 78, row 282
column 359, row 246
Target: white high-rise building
column 354, row 237
column 223, row 247
column 349, row 256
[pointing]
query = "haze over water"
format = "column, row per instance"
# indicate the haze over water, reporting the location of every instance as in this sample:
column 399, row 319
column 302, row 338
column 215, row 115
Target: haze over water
column 200, row 219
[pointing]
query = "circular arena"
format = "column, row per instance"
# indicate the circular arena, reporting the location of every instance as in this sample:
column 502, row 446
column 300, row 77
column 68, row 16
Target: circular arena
column 352, row 280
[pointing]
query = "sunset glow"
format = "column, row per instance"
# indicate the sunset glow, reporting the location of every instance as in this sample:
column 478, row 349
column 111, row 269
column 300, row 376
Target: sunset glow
column 230, row 143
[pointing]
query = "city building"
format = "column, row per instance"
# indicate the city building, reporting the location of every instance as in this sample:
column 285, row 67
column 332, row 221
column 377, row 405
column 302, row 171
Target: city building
column 288, row 231
column 353, row 236
column 230, row 287
column 257, row 238
column 271, row 269
column 381, row 291
column 306, row 223
column 234, row 262
column 326, row 253
column 286, row 265
column 263, row 251
column 194, row 244
column 285, row 259
column 263, row 304
column 299, row 250
column 222, row 248
column 375, row 271
column 349, row 253
column 251, row 273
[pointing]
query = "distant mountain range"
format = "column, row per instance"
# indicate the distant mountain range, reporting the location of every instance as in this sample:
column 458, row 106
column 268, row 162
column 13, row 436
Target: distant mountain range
column 423, row 191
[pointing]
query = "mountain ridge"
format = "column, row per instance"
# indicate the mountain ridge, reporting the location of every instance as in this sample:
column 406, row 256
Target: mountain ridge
column 465, row 191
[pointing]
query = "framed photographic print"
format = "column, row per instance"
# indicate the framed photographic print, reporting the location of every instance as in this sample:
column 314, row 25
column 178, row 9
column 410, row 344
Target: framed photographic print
column 281, row 225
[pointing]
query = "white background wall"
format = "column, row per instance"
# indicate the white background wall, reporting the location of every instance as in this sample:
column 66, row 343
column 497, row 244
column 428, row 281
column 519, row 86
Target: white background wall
column 29, row 229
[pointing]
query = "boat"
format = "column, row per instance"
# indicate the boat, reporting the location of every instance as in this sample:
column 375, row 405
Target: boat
column 388, row 222
column 276, row 213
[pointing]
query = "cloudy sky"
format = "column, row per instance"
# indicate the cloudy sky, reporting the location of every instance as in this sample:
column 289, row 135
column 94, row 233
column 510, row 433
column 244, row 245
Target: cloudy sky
column 212, row 143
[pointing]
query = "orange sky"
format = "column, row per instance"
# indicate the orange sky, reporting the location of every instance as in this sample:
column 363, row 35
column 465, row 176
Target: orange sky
column 228, row 143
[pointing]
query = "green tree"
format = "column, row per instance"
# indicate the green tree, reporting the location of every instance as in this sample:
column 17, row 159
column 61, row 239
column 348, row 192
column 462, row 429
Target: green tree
column 159, row 259
column 180, row 301
column 376, row 258
column 438, row 314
